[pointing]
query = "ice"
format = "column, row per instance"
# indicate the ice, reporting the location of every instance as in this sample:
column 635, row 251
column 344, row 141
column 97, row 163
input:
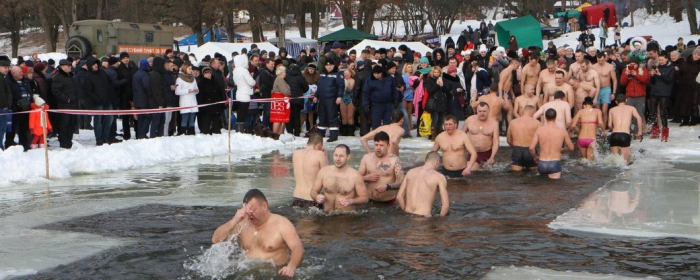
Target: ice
column 528, row 272
column 657, row 196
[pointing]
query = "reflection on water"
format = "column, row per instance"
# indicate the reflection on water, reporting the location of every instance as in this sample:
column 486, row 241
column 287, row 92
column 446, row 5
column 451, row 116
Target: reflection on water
column 496, row 218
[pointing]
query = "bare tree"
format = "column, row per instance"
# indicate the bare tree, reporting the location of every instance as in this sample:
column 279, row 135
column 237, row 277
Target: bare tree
column 11, row 18
column 50, row 23
column 692, row 16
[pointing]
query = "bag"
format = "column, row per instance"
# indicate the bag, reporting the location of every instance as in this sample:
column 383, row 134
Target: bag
column 426, row 121
column 24, row 104
column 279, row 109
column 430, row 105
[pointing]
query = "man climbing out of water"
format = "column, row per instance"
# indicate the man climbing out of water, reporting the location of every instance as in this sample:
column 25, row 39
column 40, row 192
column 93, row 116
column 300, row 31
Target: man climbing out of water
column 483, row 134
column 342, row 185
column 551, row 138
column 263, row 235
column 620, row 121
column 455, row 145
column 417, row 192
column 520, row 134
column 562, row 108
column 382, row 171
column 307, row 163
column 394, row 129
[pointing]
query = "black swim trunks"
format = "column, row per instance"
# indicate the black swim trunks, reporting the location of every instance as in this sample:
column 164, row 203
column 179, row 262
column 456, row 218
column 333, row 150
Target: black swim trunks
column 520, row 156
column 620, row 139
column 303, row 203
column 388, row 202
column 546, row 167
column 451, row 173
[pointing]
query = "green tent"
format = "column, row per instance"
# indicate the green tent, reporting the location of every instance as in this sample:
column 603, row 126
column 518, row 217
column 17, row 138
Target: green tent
column 526, row 30
column 347, row 34
column 572, row 13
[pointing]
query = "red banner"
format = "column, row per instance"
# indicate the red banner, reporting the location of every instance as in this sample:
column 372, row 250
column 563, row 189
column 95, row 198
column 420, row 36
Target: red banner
column 279, row 109
column 142, row 49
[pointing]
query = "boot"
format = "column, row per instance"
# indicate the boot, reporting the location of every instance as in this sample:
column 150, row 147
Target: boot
column 343, row 129
column 321, row 132
column 655, row 131
column 351, row 129
column 334, row 135
column 34, row 146
column 240, row 127
column 664, row 134
column 181, row 130
column 685, row 121
column 190, row 130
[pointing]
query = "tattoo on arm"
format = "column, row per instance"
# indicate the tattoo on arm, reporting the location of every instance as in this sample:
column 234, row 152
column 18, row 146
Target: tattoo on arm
column 398, row 172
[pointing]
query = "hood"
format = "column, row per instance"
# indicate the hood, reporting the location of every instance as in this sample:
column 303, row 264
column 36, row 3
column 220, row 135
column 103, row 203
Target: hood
column 159, row 64
column 143, row 64
column 241, row 61
column 442, row 55
column 90, row 62
column 294, row 71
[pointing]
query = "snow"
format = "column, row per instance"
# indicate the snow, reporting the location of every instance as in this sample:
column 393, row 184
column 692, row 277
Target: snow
column 29, row 167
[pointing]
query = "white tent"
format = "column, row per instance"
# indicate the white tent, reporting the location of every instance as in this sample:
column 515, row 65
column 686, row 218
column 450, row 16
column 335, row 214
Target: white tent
column 415, row 46
column 226, row 49
column 295, row 45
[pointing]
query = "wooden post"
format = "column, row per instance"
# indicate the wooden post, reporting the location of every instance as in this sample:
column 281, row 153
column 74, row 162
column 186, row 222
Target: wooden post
column 44, row 125
column 230, row 101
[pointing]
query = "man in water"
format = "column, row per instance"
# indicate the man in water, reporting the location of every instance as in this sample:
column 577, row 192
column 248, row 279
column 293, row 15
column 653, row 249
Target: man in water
column 546, row 78
column 417, row 192
column 263, row 235
column 394, row 129
column 589, row 78
column 608, row 77
column 530, row 73
column 455, row 145
column 483, row 134
column 620, row 121
column 562, row 108
column 307, row 163
column 341, row 184
column 581, row 91
column 495, row 104
column 528, row 98
column 382, row 171
column 520, row 133
column 559, row 85
column 551, row 139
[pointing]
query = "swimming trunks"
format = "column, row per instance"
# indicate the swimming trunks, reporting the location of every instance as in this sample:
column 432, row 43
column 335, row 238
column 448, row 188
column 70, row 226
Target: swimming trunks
column 388, row 202
column 482, row 157
column 549, row 167
column 451, row 173
column 585, row 142
column 620, row 139
column 303, row 203
column 604, row 95
column 347, row 97
column 520, row 156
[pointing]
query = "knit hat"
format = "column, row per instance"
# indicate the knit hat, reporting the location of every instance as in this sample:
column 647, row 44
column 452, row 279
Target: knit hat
column 424, row 60
column 634, row 59
column 178, row 62
column 5, row 63
column 143, row 63
column 696, row 51
column 336, row 45
column 112, row 60
column 482, row 48
column 403, row 48
column 377, row 69
column 416, row 54
column 123, row 55
column 390, row 65
column 206, row 69
column 39, row 67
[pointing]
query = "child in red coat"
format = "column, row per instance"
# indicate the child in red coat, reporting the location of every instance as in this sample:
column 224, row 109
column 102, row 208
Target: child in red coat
column 35, row 126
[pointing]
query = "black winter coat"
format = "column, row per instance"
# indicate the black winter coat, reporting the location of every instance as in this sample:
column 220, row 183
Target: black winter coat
column 265, row 82
column 435, row 91
column 17, row 92
column 139, row 85
column 98, row 87
column 156, row 84
column 450, row 86
column 127, row 91
column 297, row 85
column 118, row 82
column 171, row 100
column 686, row 95
column 209, row 92
column 64, row 87
column 5, row 94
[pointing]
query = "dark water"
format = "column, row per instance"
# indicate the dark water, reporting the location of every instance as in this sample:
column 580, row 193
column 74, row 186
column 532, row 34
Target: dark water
column 496, row 219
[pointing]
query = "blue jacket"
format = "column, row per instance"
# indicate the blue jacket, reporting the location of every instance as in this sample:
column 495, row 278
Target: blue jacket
column 379, row 91
column 140, row 83
column 330, row 85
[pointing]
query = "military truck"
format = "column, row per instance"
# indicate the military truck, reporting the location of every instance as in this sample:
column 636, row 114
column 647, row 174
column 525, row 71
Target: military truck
column 102, row 37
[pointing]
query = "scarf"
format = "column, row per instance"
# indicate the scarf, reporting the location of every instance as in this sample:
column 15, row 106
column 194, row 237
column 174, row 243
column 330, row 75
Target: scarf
column 424, row 71
column 186, row 77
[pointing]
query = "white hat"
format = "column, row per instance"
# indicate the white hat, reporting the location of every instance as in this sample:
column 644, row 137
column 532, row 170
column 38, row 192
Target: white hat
column 482, row 48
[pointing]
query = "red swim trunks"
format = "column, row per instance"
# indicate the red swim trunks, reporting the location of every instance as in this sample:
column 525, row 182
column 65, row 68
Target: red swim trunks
column 482, row 157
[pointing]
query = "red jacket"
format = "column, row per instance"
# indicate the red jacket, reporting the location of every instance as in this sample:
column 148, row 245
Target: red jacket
column 636, row 86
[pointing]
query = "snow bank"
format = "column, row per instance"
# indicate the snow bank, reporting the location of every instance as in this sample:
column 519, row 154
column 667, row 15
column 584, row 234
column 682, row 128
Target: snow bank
column 18, row 166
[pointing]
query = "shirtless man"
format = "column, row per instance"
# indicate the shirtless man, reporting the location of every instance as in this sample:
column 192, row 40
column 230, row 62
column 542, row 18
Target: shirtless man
column 505, row 81
column 519, row 137
column 551, row 139
column 531, row 72
column 307, row 163
column 576, row 66
column 394, row 129
column 342, row 185
column 382, row 171
column 559, row 85
column 546, row 78
column 455, row 145
column 263, row 235
column 417, row 192
column 495, row 103
column 561, row 107
column 528, row 98
column 581, row 91
column 483, row 134
column 608, row 78
column 619, row 121
column 588, row 78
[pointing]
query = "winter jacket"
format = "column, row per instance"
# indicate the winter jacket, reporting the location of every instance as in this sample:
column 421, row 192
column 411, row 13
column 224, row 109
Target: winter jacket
column 209, row 92
column 15, row 89
column 450, row 87
column 65, row 88
column 127, row 91
column 662, row 85
column 297, row 85
column 118, row 82
column 156, row 84
column 266, row 81
column 43, row 86
column 382, row 91
column 433, row 90
column 480, row 83
column 79, row 76
column 187, row 98
column 98, row 87
column 311, row 79
column 636, row 86
column 443, row 59
column 171, row 99
column 244, row 81
column 140, row 84
column 5, row 94
column 686, row 97
column 281, row 86
column 330, row 85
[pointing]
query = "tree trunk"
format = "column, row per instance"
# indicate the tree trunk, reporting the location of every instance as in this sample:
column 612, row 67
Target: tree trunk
column 50, row 32
column 315, row 20
column 631, row 13
column 197, row 28
column 676, row 10
column 230, row 31
column 301, row 19
column 346, row 11
column 100, row 9
column 74, row 10
column 281, row 37
column 14, row 36
column 692, row 17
